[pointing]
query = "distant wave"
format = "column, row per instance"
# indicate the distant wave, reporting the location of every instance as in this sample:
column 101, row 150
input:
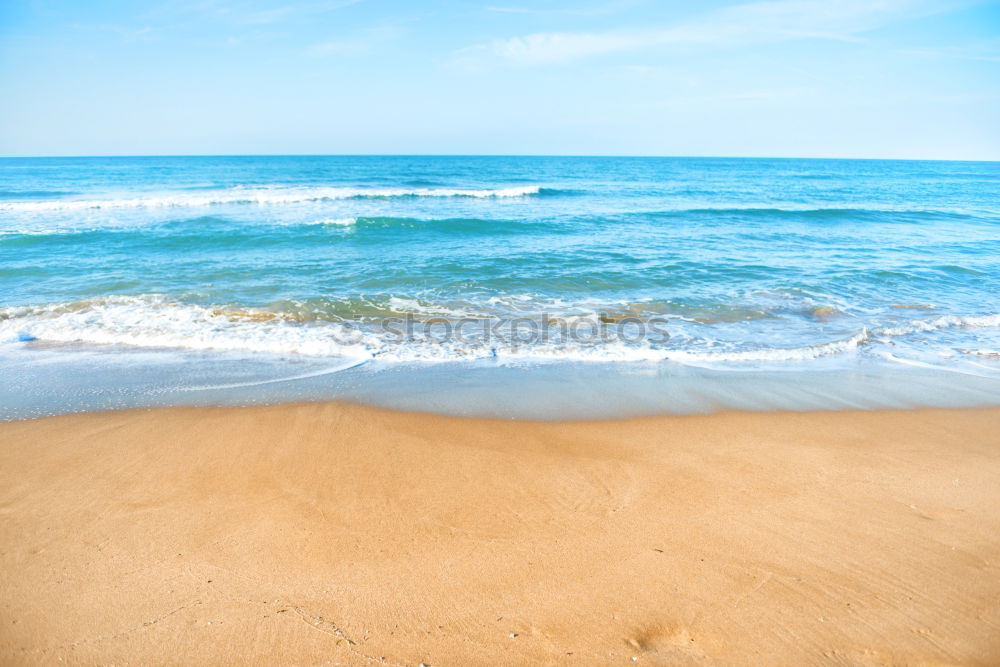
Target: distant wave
column 337, row 222
column 38, row 194
column 805, row 211
column 262, row 197
column 215, row 229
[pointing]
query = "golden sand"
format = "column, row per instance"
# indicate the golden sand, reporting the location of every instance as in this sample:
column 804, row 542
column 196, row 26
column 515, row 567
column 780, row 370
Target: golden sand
column 339, row 534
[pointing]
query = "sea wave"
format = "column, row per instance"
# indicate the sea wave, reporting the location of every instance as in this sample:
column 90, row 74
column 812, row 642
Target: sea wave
column 156, row 321
column 812, row 212
column 160, row 322
column 216, row 228
column 942, row 322
column 262, row 197
column 336, row 222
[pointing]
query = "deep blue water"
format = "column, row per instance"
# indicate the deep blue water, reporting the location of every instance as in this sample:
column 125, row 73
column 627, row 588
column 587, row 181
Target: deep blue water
column 675, row 263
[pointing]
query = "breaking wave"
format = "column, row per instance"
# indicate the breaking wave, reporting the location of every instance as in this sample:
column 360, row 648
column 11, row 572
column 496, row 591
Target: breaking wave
column 154, row 321
column 261, row 197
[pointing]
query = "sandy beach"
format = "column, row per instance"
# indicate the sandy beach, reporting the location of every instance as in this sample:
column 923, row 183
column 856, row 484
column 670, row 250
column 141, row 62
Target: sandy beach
column 340, row 534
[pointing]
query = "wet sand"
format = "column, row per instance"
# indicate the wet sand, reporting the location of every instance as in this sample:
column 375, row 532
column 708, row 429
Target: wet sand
column 340, row 534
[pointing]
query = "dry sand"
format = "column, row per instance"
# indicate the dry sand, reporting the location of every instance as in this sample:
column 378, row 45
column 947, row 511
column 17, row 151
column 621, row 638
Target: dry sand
column 331, row 533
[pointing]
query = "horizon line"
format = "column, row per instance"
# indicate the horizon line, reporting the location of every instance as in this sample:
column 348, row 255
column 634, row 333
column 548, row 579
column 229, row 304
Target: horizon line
column 489, row 155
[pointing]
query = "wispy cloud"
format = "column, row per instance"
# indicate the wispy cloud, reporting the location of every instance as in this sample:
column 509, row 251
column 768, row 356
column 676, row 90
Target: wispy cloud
column 575, row 10
column 988, row 51
column 127, row 34
column 238, row 13
column 359, row 43
column 267, row 16
column 756, row 22
column 330, row 5
column 301, row 10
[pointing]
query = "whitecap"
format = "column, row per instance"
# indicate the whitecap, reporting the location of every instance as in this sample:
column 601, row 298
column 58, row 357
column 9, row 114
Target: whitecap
column 260, row 197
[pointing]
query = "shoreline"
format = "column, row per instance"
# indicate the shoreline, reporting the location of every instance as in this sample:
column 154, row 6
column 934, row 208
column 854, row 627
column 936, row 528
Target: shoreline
column 99, row 378
column 314, row 532
column 350, row 405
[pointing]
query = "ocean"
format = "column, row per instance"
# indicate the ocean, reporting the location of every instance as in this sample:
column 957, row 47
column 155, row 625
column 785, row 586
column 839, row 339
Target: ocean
column 540, row 287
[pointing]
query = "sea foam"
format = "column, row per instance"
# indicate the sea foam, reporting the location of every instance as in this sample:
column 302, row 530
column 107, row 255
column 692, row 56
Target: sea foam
column 156, row 321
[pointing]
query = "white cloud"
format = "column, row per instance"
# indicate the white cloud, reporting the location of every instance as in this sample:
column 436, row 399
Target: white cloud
column 756, row 22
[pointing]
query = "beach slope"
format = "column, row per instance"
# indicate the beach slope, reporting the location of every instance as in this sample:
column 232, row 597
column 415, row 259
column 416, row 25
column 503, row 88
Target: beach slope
column 340, row 534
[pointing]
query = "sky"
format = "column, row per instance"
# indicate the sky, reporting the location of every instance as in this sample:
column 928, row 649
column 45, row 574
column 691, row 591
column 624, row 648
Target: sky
column 913, row 79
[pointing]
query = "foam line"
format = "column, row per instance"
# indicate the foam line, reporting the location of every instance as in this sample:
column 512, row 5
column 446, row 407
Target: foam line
column 236, row 385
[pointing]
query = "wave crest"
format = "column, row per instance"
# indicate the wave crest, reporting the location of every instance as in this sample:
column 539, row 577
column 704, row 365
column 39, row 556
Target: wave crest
column 262, row 197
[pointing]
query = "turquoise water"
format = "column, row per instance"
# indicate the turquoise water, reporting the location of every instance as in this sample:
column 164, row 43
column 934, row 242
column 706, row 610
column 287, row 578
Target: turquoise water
column 253, row 271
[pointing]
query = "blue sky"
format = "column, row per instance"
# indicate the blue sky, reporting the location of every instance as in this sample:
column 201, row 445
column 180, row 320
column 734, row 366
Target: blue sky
column 833, row 78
